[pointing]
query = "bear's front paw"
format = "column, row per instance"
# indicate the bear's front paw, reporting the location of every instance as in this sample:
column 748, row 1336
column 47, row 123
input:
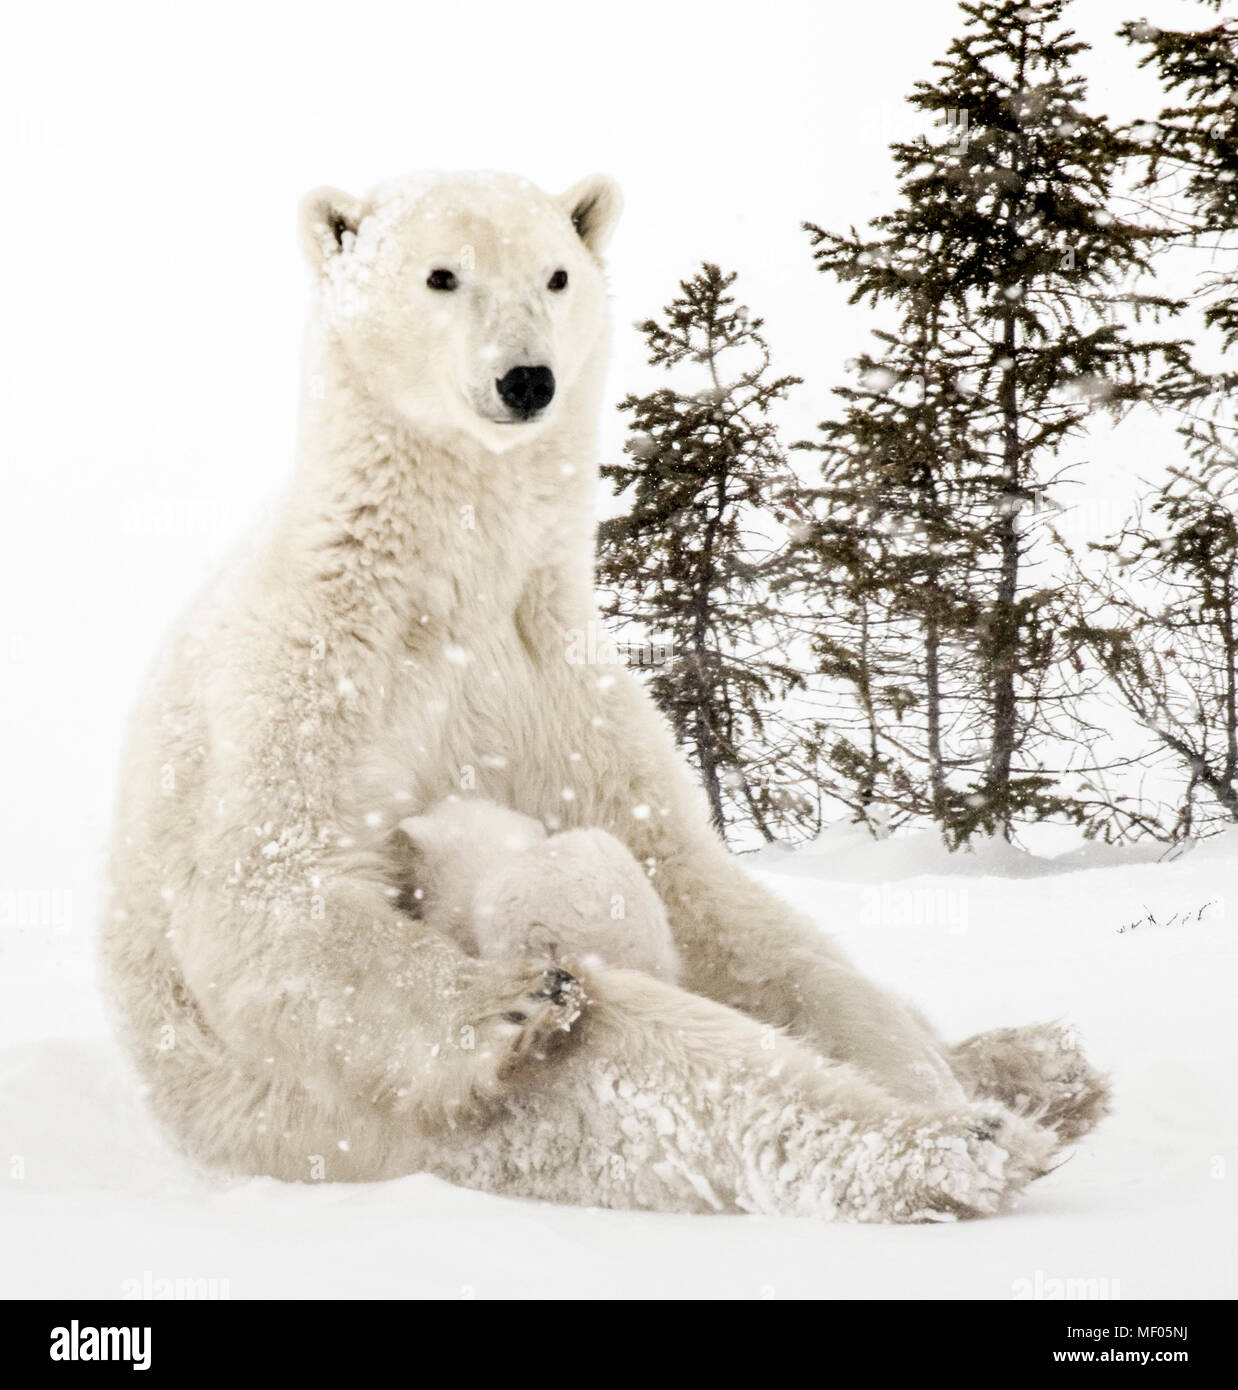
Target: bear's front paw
column 507, row 1018
column 543, row 1007
column 513, row 1015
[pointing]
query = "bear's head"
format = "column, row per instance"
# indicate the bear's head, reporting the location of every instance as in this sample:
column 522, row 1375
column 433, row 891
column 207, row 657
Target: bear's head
column 470, row 303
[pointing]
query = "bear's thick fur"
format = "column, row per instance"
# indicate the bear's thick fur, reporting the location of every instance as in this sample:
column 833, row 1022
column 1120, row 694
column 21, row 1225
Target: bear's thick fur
column 405, row 633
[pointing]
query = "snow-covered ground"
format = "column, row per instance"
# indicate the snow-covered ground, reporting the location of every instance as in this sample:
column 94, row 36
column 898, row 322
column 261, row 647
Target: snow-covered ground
column 92, row 1203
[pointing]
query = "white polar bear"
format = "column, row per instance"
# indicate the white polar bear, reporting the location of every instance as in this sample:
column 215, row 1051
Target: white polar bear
column 404, row 633
column 504, row 888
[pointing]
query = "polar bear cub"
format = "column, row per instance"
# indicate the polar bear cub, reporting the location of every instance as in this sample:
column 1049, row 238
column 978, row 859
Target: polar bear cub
column 503, row 888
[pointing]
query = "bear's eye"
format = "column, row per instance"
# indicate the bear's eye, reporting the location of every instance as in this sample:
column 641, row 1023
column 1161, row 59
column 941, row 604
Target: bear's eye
column 441, row 280
column 558, row 281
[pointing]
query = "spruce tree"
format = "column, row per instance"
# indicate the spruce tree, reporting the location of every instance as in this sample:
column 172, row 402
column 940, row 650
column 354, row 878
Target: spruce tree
column 1164, row 621
column 1190, row 155
column 1005, row 267
column 890, row 558
column 1164, row 627
column 690, row 560
column 1191, row 152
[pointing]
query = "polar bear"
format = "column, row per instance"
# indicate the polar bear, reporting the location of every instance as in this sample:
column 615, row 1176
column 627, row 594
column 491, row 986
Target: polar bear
column 503, row 888
column 402, row 634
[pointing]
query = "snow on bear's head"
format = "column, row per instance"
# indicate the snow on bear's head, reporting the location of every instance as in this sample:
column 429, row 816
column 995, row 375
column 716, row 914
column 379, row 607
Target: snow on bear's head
column 464, row 302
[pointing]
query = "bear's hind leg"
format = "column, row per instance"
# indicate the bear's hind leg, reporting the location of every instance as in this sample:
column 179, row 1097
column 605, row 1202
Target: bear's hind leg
column 670, row 1102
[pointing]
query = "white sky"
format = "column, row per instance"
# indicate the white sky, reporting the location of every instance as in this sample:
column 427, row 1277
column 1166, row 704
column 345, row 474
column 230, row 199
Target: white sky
column 153, row 291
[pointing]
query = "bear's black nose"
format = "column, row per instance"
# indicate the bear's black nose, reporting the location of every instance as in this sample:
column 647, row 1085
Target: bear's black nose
column 526, row 390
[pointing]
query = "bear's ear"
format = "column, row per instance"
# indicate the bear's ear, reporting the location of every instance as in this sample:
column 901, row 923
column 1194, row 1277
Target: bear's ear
column 328, row 219
column 594, row 205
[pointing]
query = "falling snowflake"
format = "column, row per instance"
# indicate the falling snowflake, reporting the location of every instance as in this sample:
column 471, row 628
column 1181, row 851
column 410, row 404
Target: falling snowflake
column 877, row 379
